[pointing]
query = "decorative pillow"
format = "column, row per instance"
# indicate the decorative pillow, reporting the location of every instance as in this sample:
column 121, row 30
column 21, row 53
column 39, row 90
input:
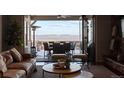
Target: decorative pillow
column 3, row 67
column 7, row 58
column 4, row 59
column 16, row 55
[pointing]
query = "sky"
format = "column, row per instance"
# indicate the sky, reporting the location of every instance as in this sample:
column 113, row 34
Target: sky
column 57, row 27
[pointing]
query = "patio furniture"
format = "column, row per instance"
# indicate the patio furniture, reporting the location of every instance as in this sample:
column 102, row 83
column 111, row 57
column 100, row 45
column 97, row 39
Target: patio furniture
column 83, row 57
column 67, row 47
column 33, row 51
column 46, row 48
column 51, row 45
column 56, row 57
column 72, row 46
column 58, row 48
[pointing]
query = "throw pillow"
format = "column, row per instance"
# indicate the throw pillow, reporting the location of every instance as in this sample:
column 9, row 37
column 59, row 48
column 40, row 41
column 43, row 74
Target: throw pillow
column 16, row 55
column 7, row 58
column 3, row 67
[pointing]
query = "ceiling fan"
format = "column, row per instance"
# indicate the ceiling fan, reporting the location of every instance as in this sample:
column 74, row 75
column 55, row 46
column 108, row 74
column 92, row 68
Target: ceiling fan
column 63, row 16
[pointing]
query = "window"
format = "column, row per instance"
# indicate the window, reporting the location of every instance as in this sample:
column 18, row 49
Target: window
column 58, row 30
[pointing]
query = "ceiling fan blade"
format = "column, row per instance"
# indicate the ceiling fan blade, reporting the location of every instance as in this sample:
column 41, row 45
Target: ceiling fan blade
column 63, row 16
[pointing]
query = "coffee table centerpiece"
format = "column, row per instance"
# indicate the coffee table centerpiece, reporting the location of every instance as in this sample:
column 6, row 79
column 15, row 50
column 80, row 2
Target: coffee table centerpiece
column 62, row 64
column 68, row 60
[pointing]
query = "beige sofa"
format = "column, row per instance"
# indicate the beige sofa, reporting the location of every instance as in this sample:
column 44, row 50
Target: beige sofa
column 18, row 65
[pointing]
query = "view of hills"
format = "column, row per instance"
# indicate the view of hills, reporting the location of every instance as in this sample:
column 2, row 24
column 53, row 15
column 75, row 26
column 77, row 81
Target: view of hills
column 57, row 37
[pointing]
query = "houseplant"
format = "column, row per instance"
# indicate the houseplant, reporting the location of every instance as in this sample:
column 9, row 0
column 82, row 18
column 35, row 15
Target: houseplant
column 14, row 35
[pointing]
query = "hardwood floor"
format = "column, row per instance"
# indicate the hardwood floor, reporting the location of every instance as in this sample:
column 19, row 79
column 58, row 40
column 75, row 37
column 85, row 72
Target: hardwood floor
column 99, row 71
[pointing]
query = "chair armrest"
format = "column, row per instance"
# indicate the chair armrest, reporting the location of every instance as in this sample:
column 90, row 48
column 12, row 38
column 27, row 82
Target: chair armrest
column 55, row 57
column 26, row 56
column 1, row 74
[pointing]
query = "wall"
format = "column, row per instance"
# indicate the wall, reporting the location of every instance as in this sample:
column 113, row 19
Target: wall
column 0, row 33
column 102, row 36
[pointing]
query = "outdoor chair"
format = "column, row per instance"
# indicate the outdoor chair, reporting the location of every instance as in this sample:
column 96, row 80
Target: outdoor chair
column 82, row 57
column 58, row 48
column 56, row 57
column 46, row 48
column 67, row 47
column 72, row 46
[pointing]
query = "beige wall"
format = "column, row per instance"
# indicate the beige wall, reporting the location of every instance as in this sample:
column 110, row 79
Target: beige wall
column 0, row 33
column 102, row 36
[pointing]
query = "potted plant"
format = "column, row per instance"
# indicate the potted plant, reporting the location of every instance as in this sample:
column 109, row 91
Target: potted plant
column 14, row 35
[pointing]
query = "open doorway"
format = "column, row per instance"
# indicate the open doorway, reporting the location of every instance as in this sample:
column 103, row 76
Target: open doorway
column 58, row 29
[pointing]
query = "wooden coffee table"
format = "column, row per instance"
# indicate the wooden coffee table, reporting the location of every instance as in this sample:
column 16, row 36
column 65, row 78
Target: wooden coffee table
column 50, row 69
column 81, row 74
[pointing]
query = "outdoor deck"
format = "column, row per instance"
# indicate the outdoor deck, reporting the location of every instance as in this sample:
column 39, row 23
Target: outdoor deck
column 41, row 58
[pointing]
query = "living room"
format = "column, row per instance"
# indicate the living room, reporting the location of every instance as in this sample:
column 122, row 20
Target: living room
column 103, row 26
column 106, row 71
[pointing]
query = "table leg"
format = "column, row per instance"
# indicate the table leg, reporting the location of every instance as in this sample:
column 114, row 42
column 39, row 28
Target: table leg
column 60, row 75
column 43, row 74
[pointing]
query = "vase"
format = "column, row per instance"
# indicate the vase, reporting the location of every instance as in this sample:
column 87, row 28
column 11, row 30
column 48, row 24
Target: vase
column 67, row 64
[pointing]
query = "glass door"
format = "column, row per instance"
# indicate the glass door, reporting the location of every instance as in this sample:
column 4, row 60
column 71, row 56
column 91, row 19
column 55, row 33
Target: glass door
column 84, row 34
column 87, row 32
column 90, row 43
column 80, row 34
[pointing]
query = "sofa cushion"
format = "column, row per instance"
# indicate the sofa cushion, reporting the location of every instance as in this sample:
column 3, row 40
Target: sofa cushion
column 27, row 56
column 16, row 55
column 8, row 59
column 14, row 73
column 30, row 60
column 3, row 67
column 21, row 65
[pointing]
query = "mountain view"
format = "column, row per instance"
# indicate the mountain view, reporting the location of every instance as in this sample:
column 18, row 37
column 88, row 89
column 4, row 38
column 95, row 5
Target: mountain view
column 57, row 37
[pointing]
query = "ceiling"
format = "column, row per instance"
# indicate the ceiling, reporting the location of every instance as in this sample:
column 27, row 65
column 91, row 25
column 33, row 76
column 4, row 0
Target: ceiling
column 55, row 17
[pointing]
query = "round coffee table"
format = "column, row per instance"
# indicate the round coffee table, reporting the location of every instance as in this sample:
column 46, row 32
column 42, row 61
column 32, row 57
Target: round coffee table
column 81, row 74
column 50, row 69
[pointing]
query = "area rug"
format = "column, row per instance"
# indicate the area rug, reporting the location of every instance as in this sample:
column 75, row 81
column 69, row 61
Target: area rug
column 99, row 71
column 38, row 73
